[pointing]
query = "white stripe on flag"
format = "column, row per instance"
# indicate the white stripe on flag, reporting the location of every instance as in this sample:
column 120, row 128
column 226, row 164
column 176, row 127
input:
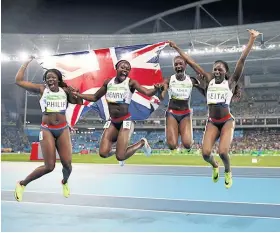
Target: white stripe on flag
column 113, row 56
column 69, row 112
column 105, row 107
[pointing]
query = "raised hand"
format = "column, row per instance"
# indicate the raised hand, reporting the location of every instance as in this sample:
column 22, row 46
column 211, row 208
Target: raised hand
column 253, row 33
column 172, row 44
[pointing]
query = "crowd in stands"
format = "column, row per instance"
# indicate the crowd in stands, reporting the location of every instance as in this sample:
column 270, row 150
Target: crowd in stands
column 244, row 140
column 253, row 102
column 14, row 138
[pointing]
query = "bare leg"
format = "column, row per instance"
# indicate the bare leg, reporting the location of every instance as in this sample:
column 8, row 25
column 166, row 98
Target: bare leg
column 48, row 149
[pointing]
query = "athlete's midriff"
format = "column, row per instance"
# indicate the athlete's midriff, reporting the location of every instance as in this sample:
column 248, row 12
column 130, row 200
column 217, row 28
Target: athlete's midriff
column 179, row 105
column 117, row 110
column 53, row 119
column 218, row 111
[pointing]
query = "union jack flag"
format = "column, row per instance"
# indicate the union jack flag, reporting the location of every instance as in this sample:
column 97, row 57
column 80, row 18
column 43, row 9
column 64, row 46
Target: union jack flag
column 87, row 70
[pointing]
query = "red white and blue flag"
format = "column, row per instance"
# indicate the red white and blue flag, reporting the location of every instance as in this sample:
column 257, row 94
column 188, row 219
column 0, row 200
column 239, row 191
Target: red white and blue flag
column 87, row 70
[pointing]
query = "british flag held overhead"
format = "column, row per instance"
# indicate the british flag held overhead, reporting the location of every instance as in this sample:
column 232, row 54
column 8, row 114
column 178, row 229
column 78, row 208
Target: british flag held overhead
column 87, row 71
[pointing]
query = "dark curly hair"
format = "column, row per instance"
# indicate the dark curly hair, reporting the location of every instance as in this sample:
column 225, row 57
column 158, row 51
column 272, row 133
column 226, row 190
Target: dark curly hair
column 61, row 83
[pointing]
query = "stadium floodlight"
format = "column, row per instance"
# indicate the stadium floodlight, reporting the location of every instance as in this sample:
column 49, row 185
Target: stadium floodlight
column 164, row 54
column 271, row 46
column 4, row 57
column 23, row 56
column 218, row 50
column 45, row 53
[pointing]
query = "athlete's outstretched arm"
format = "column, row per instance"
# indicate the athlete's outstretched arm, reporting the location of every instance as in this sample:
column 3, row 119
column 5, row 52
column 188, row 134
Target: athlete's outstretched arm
column 25, row 84
column 134, row 85
column 240, row 64
column 164, row 88
column 94, row 97
column 197, row 68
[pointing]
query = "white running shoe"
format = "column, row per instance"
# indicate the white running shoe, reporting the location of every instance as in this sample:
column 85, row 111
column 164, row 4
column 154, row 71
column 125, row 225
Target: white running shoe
column 121, row 163
column 146, row 148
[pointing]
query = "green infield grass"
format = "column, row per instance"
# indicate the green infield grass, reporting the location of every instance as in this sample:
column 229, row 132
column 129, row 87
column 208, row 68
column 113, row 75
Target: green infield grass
column 162, row 159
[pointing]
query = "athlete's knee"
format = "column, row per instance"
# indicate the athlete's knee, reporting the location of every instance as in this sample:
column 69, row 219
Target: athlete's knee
column 49, row 167
column 187, row 145
column 223, row 151
column 172, row 145
column 207, row 157
column 206, row 154
column 104, row 153
column 120, row 157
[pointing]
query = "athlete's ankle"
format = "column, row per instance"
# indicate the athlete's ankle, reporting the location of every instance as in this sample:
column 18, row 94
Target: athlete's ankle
column 215, row 165
column 63, row 182
column 22, row 183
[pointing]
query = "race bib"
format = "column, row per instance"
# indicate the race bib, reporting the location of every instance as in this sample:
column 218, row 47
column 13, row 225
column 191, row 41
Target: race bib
column 127, row 124
column 107, row 124
column 41, row 136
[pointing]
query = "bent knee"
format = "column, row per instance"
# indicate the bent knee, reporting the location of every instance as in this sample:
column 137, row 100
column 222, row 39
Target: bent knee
column 120, row 157
column 103, row 155
column 172, row 145
column 223, row 151
column 49, row 167
column 207, row 157
column 187, row 145
column 206, row 152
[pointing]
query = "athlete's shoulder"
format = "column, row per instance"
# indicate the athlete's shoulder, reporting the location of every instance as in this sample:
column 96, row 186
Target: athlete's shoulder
column 108, row 80
column 64, row 89
column 44, row 88
column 212, row 81
column 172, row 78
column 131, row 80
column 195, row 80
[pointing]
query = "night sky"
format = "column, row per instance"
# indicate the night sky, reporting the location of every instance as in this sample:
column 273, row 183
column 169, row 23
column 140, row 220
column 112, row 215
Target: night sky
column 108, row 16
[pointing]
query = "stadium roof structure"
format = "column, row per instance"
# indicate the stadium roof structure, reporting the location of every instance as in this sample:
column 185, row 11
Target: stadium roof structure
column 221, row 37
column 159, row 20
column 205, row 45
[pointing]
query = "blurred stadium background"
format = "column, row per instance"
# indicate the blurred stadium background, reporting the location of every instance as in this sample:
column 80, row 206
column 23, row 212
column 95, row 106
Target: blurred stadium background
column 257, row 113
